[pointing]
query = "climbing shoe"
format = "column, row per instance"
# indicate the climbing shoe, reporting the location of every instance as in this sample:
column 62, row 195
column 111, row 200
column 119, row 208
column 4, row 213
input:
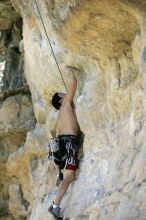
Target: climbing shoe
column 55, row 212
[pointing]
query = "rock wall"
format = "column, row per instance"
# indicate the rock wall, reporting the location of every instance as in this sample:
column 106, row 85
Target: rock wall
column 16, row 119
column 13, row 75
column 106, row 41
column 16, row 110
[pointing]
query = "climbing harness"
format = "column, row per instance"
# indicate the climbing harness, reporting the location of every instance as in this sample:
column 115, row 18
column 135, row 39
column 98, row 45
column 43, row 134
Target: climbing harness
column 55, row 150
column 54, row 144
column 50, row 44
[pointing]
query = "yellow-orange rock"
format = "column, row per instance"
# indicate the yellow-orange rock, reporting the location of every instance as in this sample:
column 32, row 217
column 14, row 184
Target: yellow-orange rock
column 106, row 41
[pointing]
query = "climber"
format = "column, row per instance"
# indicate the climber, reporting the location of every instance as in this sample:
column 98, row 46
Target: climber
column 65, row 145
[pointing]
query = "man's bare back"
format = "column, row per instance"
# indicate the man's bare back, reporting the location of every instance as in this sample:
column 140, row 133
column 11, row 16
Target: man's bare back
column 67, row 120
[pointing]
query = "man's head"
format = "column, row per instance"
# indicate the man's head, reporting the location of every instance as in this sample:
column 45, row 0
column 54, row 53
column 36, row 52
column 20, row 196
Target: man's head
column 57, row 100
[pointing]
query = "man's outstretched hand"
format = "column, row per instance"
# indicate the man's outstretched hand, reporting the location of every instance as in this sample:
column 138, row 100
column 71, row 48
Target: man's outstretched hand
column 71, row 70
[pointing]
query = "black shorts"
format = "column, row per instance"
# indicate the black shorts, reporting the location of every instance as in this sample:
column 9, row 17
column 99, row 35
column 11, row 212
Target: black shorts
column 70, row 144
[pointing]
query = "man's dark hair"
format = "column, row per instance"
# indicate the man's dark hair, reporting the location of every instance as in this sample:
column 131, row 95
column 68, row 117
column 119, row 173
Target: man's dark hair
column 55, row 101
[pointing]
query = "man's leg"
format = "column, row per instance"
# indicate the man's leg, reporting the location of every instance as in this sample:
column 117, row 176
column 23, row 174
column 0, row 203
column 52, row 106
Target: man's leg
column 69, row 177
column 59, row 176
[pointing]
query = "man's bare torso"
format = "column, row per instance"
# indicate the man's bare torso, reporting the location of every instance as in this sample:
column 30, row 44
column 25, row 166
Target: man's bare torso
column 67, row 120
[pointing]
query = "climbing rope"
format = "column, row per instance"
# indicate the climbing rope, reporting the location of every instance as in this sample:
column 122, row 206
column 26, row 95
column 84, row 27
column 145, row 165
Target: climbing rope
column 50, row 45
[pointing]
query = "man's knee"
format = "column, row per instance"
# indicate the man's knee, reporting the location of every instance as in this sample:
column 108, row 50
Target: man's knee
column 70, row 176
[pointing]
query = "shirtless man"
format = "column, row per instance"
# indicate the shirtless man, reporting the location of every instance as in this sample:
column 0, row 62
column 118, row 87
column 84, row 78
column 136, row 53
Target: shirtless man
column 67, row 131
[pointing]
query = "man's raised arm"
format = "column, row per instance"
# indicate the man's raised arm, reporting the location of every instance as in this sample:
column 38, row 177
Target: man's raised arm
column 72, row 86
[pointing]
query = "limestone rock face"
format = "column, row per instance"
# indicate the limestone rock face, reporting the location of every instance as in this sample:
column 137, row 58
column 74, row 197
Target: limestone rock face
column 15, row 114
column 16, row 111
column 8, row 14
column 14, row 76
column 9, row 21
column 16, row 118
column 106, row 41
column 10, row 37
